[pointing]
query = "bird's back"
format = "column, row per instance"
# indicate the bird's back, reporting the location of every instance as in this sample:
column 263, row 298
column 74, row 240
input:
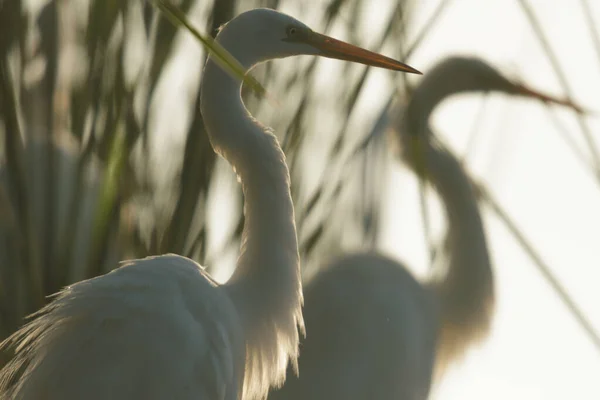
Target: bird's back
column 156, row 328
column 370, row 334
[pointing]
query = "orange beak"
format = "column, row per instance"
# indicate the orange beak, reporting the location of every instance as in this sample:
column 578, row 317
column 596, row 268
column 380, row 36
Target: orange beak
column 333, row 48
column 525, row 91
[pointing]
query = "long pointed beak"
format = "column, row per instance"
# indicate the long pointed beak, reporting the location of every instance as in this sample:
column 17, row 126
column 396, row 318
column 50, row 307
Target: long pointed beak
column 333, row 48
column 525, row 91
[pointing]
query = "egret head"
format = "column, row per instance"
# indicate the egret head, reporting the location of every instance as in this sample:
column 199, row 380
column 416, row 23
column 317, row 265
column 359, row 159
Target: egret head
column 469, row 74
column 263, row 34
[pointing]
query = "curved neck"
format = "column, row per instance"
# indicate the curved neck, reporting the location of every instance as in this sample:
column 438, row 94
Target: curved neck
column 432, row 91
column 466, row 246
column 420, row 107
column 463, row 284
column 465, row 288
column 268, row 267
column 266, row 285
column 467, row 257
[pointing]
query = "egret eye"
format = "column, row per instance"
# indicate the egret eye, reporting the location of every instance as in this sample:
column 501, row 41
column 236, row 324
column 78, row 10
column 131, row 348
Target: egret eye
column 292, row 31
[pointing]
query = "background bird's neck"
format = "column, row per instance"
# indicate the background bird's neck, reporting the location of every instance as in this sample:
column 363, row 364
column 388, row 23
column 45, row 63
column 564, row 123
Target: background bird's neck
column 467, row 280
column 424, row 100
column 266, row 286
column 465, row 288
column 466, row 247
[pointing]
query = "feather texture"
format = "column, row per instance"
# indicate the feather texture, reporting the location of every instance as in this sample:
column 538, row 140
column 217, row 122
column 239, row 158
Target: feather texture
column 80, row 345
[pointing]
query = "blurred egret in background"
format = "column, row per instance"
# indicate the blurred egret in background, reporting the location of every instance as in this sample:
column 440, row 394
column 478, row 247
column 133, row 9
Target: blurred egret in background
column 373, row 331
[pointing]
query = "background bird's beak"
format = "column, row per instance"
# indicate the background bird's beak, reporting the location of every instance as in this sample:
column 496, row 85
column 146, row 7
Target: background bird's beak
column 525, row 91
column 333, row 48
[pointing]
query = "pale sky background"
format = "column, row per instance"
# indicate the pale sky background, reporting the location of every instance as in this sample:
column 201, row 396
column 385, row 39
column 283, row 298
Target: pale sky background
column 536, row 349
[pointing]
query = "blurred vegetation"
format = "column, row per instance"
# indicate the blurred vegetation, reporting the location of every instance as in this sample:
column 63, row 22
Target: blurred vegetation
column 86, row 178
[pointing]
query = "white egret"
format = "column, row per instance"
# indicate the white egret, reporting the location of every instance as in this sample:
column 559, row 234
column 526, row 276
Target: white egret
column 373, row 330
column 160, row 327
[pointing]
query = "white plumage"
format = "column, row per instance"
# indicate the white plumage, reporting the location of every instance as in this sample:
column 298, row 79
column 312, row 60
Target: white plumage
column 95, row 337
column 161, row 328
